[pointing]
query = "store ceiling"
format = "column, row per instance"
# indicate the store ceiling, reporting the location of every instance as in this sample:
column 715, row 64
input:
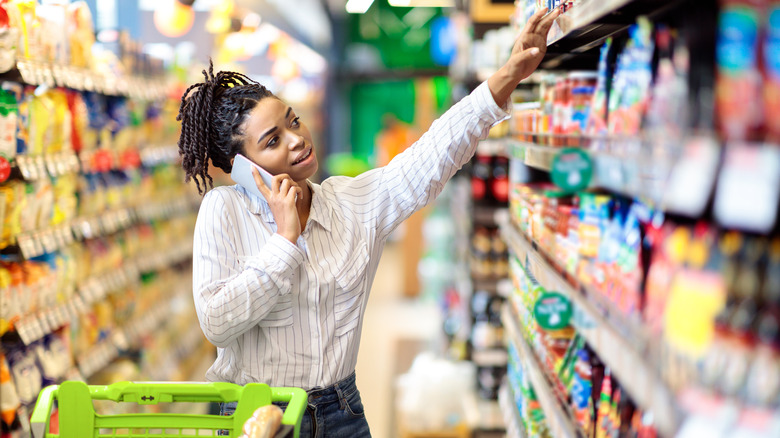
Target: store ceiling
column 309, row 19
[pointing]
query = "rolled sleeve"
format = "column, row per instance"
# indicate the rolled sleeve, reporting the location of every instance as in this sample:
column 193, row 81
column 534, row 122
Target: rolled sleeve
column 281, row 258
column 486, row 106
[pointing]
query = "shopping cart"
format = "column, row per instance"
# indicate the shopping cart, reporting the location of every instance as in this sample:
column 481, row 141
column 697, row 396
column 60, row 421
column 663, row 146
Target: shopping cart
column 78, row 419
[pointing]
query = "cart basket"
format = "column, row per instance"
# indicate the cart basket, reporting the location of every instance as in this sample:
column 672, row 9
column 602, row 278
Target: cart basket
column 77, row 417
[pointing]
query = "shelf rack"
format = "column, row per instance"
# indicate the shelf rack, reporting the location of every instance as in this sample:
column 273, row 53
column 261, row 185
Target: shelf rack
column 672, row 178
column 560, row 420
column 588, row 24
column 514, row 424
column 621, row 344
column 33, row 72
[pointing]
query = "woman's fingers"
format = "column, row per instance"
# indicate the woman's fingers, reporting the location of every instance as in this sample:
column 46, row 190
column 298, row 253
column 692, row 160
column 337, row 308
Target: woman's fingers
column 284, row 187
column 264, row 190
column 530, row 26
column 294, row 193
column 546, row 23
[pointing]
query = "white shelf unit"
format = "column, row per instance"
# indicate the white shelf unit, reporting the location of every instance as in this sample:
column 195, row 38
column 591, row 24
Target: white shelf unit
column 621, row 345
column 559, row 419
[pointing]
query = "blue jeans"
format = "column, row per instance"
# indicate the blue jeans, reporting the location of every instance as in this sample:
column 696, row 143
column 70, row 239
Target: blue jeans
column 332, row 412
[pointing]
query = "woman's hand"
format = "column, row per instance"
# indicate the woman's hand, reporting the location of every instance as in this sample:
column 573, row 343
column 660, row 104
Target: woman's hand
column 281, row 198
column 527, row 54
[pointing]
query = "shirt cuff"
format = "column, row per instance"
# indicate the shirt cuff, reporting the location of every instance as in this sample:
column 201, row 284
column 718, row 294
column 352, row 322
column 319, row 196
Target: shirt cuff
column 486, row 105
column 279, row 260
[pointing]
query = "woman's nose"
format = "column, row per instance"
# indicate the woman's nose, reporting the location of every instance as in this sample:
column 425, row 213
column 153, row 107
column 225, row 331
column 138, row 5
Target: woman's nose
column 296, row 140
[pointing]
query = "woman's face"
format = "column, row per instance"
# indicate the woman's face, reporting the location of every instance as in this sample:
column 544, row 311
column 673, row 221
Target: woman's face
column 278, row 141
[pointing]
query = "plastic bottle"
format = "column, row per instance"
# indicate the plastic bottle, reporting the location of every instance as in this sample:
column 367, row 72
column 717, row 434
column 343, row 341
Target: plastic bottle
column 771, row 62
column 738, row 77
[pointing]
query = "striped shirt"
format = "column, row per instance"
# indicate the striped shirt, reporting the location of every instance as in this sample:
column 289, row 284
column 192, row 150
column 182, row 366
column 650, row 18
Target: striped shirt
column 291, row 315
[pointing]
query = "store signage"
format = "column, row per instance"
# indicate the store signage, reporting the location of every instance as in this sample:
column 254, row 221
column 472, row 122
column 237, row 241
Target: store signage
column 572, row 169
column 553, row 311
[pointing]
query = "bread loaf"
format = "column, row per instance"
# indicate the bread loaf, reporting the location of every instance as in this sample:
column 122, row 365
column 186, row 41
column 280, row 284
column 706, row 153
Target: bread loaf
column 264, row 422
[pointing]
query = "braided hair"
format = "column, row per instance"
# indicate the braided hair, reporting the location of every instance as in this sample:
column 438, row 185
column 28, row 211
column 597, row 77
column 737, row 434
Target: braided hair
column 212, row 119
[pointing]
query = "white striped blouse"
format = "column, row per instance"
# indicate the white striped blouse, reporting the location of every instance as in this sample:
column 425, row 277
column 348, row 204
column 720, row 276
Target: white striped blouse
column 291, row 315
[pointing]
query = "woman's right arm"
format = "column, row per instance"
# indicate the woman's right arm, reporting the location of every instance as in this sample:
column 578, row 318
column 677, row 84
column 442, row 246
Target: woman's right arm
column 232, row 295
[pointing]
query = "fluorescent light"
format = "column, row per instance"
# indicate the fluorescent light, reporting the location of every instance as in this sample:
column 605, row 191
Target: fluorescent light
column 358, row 6
column 423, row 3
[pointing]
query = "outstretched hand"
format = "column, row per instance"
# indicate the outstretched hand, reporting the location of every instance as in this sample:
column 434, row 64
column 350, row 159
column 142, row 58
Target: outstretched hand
column 527, row 53
column 533, row 35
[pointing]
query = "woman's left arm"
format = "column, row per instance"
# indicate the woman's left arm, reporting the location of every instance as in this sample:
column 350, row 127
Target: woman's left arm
column 415, row 177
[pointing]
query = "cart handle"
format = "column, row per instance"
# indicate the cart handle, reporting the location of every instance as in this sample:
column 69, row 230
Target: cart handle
column 296, row 398
column 42, row 411
column 157, row 392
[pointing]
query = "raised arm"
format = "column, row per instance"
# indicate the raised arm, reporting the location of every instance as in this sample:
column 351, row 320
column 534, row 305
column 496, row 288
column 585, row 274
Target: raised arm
column 232, row 295
column 384, row 197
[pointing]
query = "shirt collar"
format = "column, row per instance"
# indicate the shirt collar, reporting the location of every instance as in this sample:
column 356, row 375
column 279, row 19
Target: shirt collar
column 320, row 209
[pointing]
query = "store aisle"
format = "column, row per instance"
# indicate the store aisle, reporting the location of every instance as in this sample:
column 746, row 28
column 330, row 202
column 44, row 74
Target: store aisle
column 394, row 328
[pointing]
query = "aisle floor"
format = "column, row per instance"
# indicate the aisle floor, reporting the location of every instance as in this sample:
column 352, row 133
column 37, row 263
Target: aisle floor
column 394, row 329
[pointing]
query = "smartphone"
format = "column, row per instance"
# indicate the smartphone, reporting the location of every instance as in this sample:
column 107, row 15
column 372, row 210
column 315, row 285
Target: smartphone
column 242, row 175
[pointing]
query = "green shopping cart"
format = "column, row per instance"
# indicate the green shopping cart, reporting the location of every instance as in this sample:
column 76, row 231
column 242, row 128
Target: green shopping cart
column 78, row 419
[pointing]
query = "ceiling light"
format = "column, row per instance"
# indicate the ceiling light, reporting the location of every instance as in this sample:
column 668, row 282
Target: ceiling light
column 423, row 3
column 358, row 6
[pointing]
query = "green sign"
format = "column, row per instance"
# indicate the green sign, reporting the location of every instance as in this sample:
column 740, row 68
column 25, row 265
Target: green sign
column 553, row 311
column 572, row 169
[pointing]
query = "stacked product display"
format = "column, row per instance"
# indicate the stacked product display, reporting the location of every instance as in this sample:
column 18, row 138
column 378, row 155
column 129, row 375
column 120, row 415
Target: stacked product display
column 488, row 261
column 646, row 259
column 95, row 221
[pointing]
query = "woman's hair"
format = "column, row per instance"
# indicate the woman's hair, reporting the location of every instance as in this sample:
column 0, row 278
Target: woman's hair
column 211, row 118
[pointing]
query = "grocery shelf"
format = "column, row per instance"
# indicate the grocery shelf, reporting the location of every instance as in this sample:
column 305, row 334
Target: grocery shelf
column 486, row 215
column 590, row 22
column 514, row 424
column 633, row 167
column 132, row 334
column 54, row 74
column 38, row 242
column 621, row 344
column 495, row 285
column 559, row 418
column 490, row 357
column 37, row 324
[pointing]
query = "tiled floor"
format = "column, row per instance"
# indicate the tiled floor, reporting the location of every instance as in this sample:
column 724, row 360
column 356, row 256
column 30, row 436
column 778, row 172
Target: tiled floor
column 391, row 322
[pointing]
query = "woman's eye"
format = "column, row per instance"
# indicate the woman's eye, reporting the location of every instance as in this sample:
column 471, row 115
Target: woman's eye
column 296, row 122
column 272, row 141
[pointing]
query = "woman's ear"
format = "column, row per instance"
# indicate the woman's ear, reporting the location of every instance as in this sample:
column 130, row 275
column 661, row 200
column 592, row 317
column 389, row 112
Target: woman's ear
column 231, row 161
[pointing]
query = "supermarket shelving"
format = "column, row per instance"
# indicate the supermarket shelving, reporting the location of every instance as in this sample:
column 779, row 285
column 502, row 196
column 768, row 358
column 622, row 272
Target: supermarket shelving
column 559, row 418
column 36, row 325
column 620, row 343
column 38, row 242
column 514, row 423
column 674, row 179
column 590, row 22
column 50, row 74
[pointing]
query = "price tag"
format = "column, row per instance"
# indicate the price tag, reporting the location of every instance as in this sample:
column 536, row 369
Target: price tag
column 572, row 169
column 47, row 240
column 749, row 187
column 51, row 168
column 23, row 330
column 39, row 327
column 553, row 311
column 24, row 167
column 25, row 245
column 40, row 167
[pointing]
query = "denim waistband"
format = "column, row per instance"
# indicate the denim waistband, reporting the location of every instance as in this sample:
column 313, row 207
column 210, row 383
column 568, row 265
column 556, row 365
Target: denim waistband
column 331, row 393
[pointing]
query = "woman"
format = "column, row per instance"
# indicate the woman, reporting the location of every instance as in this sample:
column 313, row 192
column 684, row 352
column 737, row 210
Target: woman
column 281, row 283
